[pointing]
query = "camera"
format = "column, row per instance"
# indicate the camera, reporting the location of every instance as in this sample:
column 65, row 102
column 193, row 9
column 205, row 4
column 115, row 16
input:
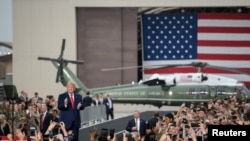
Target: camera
column 195, row 124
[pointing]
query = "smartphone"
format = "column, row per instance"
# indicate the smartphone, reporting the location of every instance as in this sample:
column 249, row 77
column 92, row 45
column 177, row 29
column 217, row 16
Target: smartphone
column 32, row 131
column 111, row 133
column 180, row 132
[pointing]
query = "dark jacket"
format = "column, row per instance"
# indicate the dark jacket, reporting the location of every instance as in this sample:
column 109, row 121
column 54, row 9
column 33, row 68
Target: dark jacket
column 6, row 130
column 142, row 129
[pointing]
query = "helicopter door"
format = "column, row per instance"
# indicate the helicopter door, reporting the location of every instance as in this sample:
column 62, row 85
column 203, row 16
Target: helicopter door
column 203, row 93
column 192, row 92
column 212, row 92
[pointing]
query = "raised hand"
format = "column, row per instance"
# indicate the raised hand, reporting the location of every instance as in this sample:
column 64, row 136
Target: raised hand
column 79, row 105
column 66, row 101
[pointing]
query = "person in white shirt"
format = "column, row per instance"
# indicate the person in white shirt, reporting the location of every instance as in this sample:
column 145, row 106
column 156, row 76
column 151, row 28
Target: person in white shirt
column 109, row 106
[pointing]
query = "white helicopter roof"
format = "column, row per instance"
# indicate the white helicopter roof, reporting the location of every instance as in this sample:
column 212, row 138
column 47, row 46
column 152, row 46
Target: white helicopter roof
column 196, row 79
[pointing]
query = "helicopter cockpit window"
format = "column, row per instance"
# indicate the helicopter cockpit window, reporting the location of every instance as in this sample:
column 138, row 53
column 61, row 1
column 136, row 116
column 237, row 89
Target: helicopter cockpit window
column 191, row 91
column 203, row 91
column 220, row 91
column 242, row 90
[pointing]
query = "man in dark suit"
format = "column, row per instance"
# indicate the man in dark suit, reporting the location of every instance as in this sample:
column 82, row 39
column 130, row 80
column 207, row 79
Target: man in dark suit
column 45, row 119
column 109, row 106
column 137, row 125
column 87, row 100
column 70, row 104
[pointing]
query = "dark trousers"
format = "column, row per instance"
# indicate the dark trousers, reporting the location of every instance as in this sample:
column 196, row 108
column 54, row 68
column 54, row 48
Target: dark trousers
column 75, row 129
column 110, row 112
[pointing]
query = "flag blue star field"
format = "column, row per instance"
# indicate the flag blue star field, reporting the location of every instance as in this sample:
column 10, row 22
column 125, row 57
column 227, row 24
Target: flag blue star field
column 220, row 39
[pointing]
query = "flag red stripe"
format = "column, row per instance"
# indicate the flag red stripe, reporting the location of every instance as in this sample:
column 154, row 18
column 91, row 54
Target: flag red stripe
column 224, row 29
column 247, row 83
column 242, row 16
column 223, row 43
column 223, row 56
column 165, row 70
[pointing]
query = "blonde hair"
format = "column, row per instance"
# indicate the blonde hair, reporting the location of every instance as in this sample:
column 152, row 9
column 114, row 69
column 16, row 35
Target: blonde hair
column 72, row 84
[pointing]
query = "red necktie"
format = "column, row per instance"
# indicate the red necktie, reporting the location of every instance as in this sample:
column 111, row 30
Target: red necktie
column 72, row 100
column 42, row 120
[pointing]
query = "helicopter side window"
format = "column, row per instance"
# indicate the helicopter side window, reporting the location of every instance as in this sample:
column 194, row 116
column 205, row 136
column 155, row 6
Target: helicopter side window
column 191, row 91
column 220, row 91
column 241, row 90
column 203, row 91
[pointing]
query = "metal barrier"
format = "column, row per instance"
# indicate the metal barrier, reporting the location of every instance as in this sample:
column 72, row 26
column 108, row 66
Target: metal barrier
column 92, row 115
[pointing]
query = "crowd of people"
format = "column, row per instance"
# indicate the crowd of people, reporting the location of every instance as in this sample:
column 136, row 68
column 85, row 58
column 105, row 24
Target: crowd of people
column 188, row 123
column 59, row 118
column 49, row 119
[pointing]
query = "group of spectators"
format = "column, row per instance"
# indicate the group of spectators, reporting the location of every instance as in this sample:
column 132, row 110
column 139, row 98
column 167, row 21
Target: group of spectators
column 25, row 116
column 37, row 119
column 99, row 99
column 49, row 119
column 191, row 122
column 188, row 123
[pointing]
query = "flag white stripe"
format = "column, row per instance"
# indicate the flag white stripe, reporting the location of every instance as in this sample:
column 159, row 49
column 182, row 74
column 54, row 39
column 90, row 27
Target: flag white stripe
column 224, row 50
column 222, row 63
column 223, row 23
column 224, row 36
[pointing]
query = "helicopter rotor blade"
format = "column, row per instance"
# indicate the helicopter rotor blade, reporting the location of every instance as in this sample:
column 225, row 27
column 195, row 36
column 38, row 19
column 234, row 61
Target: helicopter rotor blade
column 123, row 68
column 46, row 58
column 61, row 62
column 74, row 62
column 57, row 75
column 228, row 69
column 146, row 67
column 199, row 65
column 63, row 47
column 59, row 72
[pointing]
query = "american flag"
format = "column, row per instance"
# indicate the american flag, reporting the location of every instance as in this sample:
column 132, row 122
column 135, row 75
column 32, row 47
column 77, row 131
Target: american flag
column 219, row 39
